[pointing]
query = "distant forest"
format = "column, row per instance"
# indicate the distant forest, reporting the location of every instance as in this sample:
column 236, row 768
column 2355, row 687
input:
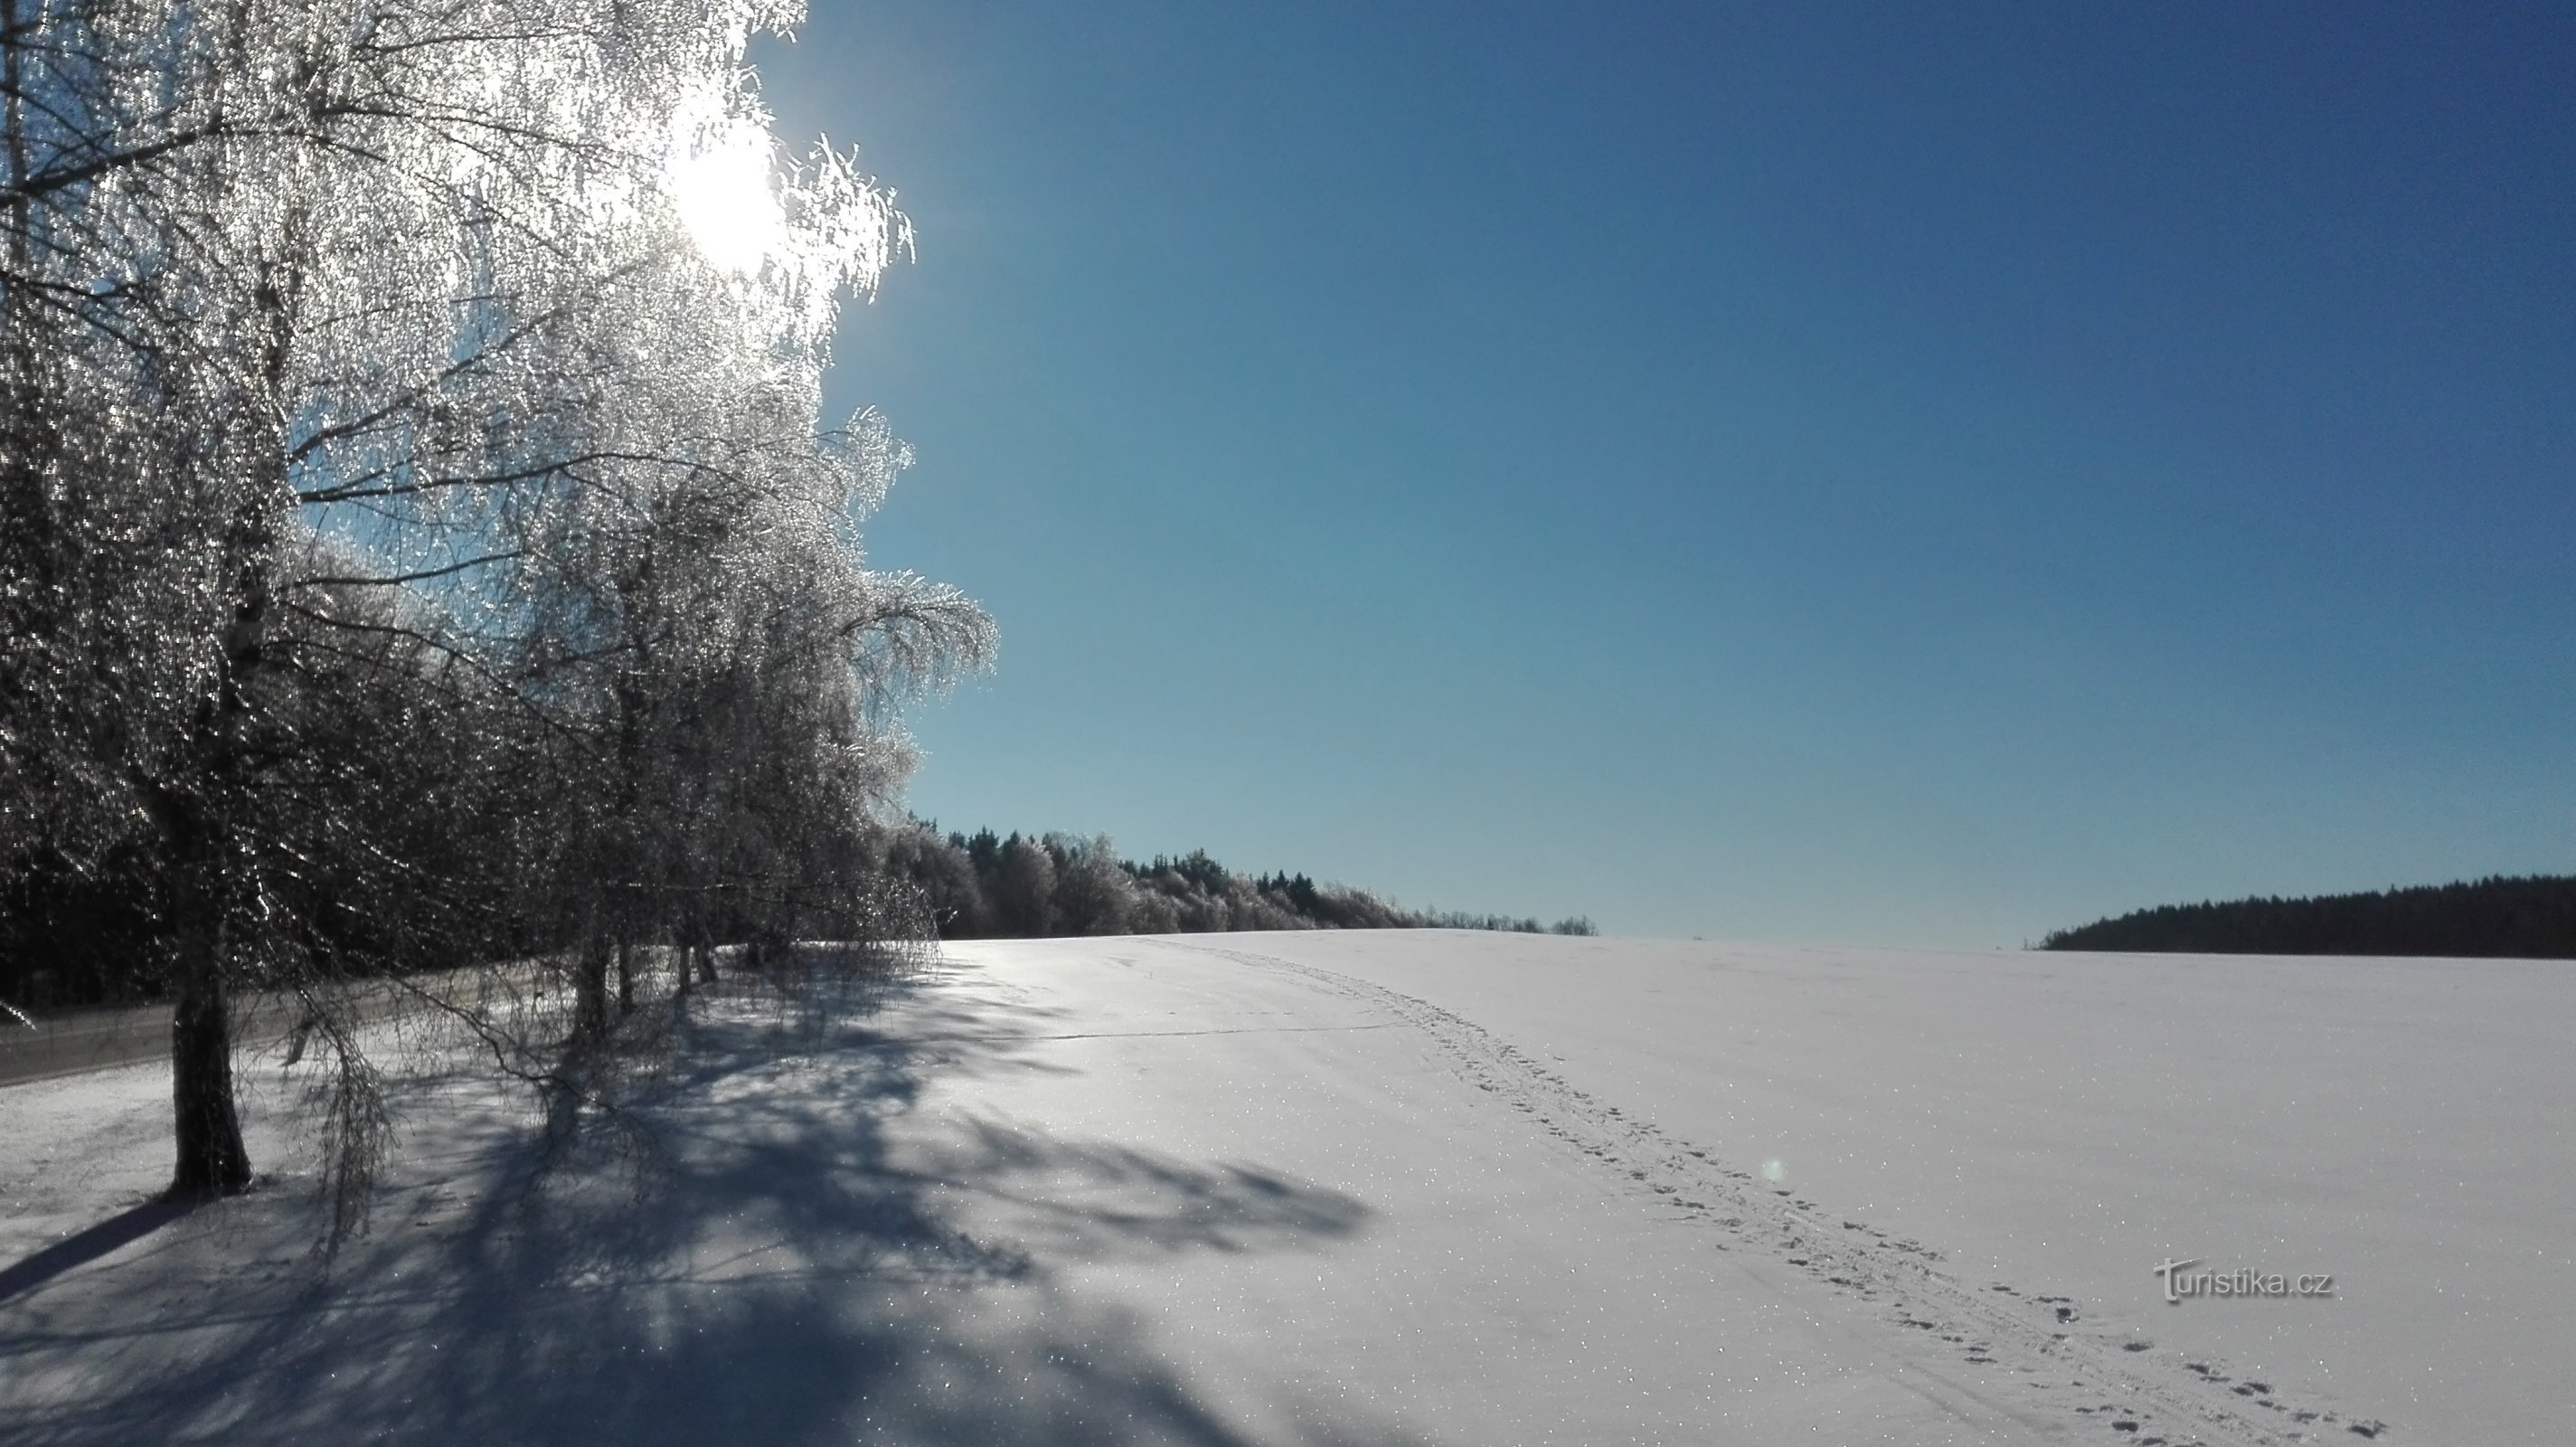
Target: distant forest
column 986, row 886
column 2523, row 918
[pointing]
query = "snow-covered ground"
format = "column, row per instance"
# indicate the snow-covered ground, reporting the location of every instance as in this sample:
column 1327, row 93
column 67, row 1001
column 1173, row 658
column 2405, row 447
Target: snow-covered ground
column 1403, row 1188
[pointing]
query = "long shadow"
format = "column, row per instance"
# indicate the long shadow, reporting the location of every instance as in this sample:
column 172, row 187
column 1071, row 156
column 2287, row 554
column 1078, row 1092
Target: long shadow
column 783, row 1275
column 116, row 1232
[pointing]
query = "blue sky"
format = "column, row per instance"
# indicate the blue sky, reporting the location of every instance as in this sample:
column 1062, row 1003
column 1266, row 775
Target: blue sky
column 1873, row 474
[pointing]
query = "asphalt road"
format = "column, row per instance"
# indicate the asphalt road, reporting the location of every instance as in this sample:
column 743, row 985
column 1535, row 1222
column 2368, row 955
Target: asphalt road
column 97, row 1037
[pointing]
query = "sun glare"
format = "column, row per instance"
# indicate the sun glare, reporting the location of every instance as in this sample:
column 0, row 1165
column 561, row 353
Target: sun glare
column 722, row 187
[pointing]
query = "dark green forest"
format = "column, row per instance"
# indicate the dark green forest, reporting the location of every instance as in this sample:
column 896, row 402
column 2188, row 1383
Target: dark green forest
column 985, row 886
column 2521, row 918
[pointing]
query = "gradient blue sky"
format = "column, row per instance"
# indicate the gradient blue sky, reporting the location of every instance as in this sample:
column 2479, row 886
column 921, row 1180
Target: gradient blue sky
column 1856, row 474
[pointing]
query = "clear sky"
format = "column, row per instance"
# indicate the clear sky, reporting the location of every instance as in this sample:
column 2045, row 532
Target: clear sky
column 1863, row 474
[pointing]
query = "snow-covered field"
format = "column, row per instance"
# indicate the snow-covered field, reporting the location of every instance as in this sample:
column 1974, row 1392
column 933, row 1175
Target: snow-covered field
column 1402, row 1188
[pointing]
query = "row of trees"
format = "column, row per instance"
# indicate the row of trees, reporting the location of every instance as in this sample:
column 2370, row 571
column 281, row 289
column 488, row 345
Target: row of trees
column 421, row 542
column 1025, row 886
column 2520, row 918
column 419, row 536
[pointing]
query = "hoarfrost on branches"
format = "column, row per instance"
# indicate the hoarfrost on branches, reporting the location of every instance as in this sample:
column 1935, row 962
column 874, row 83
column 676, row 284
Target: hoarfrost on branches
column 413, row 398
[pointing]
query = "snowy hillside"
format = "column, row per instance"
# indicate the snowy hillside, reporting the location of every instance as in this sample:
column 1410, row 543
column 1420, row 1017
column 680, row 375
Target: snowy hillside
column 1394, row 1188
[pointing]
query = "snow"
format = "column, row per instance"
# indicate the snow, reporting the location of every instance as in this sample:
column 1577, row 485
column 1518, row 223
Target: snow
column 1402, row 1188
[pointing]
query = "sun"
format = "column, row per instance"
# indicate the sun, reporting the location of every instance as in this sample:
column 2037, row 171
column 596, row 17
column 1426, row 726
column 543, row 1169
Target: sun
column 721, row 183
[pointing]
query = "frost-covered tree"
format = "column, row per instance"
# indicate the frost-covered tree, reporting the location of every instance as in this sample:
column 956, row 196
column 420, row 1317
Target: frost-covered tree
column 700, row 599
column 1093, row 895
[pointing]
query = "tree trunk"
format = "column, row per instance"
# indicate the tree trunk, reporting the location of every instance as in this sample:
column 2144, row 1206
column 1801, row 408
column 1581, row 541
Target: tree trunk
column 200, row 819
column 625, row 980
column 202, row 816
column 207, row 1127
column 212, row 1160
column 590, row 991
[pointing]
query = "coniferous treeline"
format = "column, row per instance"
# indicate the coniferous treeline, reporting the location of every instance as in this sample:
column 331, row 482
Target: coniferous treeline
column 2522, row 918
column 987, row 886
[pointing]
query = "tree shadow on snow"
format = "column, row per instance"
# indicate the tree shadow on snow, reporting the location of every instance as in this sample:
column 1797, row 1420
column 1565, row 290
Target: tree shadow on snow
column 111, row 1235
column 782, row 1275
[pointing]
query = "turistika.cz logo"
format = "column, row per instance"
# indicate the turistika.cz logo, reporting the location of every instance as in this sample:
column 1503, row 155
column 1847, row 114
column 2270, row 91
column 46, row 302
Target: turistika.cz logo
column 2181, row 1282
